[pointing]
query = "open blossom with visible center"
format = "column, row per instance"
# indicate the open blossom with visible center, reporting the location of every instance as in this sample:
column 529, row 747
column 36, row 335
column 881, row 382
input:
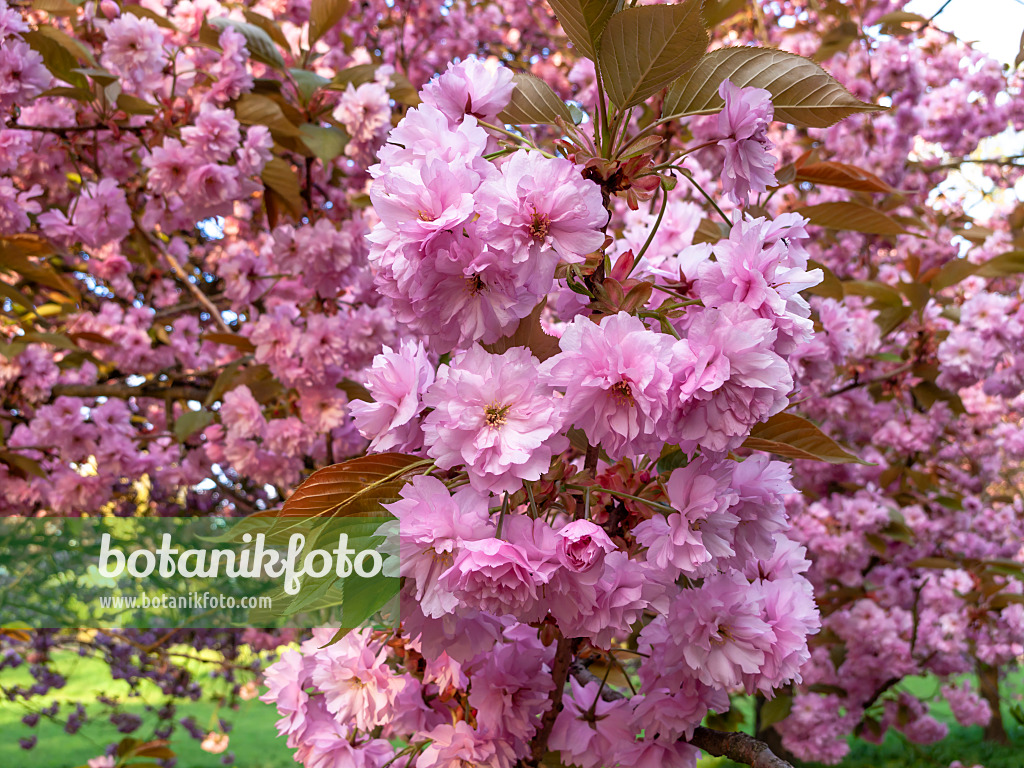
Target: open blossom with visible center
column 616, row 377
column 542, row 206
column 357, row 683
column 496, row 415
column 743, row 126
column 397, row 381
column 715, row 633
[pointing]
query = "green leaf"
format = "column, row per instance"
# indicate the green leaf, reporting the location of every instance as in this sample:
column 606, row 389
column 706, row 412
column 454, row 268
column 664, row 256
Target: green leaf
column 584, row 21
column 55, row 7
column 324, row 14
column 269, row 26
column 61, row 62
column 775, row 711
column 803, row 93
column 191, row 422
column 853, row 217
column 308, row 82
column 356, row 76
column 354, row 488
column 533, row 101
column 326, row 143
column 844, row 175
column 261, row 47
column 955, row 270
column 644, row 49
column 939, row 563
column 528, row 334
column 21, row 466
column 1004, row 265
column 142, row 12
column 952, row 272
column 794, row 437
column 253, row 109
column 830, row 287
column 133, row 105
column 279, row 176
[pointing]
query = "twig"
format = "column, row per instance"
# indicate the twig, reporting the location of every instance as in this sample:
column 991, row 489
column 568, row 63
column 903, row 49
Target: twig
column 739, row 747
column 560, row 673
column 201, row 297
column 123, row 391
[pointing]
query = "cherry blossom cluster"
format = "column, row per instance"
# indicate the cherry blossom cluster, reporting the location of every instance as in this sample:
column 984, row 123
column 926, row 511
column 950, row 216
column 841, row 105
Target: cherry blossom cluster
column 509, row 571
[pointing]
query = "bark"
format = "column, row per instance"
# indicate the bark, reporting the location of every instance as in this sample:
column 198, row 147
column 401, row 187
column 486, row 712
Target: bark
column 738, row 747
column 988, row 687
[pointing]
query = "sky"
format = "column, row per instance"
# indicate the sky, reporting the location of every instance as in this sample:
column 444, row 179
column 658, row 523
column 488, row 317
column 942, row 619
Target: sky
column 994, row 25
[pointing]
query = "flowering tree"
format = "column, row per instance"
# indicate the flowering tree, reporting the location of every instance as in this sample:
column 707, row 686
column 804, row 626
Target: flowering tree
column 569, row 301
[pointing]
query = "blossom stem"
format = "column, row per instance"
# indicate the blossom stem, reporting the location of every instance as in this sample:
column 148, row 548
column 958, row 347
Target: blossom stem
column 707, row 197
column 501, row 517
column 654, row 229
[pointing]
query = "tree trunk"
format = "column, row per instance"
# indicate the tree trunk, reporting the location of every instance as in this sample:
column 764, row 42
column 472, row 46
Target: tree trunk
column 988, row 686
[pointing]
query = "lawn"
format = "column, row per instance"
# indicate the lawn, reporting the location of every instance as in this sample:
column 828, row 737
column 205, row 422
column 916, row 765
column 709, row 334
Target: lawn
column 255, row 744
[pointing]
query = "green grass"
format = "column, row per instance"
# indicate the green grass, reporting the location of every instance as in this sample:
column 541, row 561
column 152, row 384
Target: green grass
column 253, row 739
column 256, row 745
column 968, row 745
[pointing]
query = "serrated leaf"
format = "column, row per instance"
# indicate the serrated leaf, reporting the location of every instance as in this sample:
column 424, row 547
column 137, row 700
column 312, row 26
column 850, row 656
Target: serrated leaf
column 79, row 51
column 17, row 253
column 939, row 563
column 55, row 7
column 142, row 12
column 191, row 422
column 354, row 488
column 794, row 437
column 21, row 466
column 844, row 175
column 354, row 76
column 279, row 176
column 952, row 272
column 326, row 143
column 830, row 287
column 533, row 102
column 16, row 297
column 324, row 14
column 269, row 26
column 717, row 11
column 644, row 49
column 308, row 82
column 528, row 334
column 584, row 21
column 253, row 109
column 133, row 105
column 803, row 93
column 882, row 294
column 261, row 47
column 240, row 343
column 1004, row 265
column 60, row 62
column 852, row 217
column 99, row 75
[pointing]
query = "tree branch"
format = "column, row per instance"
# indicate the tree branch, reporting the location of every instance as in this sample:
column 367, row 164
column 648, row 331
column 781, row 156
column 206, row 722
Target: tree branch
column 738, row 747
column 123, row 391
column 560, row 669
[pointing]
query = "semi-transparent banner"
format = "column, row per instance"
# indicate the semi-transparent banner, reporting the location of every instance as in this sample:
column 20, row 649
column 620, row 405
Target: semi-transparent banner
column 195, row 572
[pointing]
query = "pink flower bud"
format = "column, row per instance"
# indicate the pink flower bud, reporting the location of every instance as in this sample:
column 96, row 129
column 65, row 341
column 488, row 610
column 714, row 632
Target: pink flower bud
column 582, row 546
